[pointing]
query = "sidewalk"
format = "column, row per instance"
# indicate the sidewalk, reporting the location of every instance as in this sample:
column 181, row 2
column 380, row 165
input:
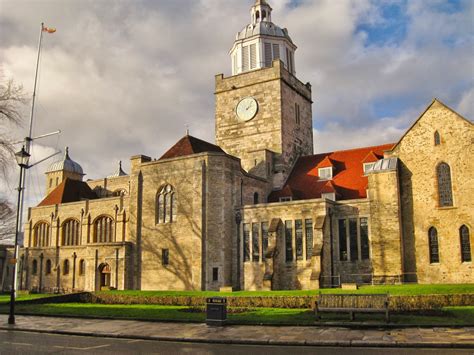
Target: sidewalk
column 241, row 334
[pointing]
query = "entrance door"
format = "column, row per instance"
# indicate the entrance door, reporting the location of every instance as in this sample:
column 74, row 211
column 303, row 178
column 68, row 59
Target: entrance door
column 104, row 270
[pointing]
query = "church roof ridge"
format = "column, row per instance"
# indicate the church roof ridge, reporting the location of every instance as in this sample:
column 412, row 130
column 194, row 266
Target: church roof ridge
column 68, row 190
column 189, row 145
column 378, row 146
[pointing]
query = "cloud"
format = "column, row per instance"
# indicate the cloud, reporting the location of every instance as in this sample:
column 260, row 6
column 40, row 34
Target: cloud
column 122, row 78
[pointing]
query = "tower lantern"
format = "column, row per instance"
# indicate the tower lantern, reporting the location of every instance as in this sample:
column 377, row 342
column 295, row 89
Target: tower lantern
column 259, row 43
column 261, row 11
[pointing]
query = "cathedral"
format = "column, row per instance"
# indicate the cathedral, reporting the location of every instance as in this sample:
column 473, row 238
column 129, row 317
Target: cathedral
column 259, row 210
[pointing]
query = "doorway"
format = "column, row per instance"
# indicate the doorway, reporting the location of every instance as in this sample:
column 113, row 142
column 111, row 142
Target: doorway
column 104, row 272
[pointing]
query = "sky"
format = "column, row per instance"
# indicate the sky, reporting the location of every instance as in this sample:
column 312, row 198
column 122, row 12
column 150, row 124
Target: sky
column 121, row 78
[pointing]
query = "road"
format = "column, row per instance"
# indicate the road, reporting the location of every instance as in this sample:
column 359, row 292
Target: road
column 18, row 342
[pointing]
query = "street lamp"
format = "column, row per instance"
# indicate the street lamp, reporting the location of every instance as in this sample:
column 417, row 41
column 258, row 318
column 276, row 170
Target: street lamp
column 22, row 158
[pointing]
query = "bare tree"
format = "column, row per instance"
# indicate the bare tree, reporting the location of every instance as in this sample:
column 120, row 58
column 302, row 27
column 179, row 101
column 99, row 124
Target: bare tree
column 11, row 98
column 7, row 221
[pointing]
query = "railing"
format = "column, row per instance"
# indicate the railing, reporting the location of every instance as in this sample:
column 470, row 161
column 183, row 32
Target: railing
column 367, row 279
column 371, row 279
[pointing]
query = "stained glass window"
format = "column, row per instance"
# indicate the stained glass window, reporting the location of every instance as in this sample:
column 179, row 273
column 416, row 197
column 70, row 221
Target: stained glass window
column 289, row 240
column 299, row 239
column 342, row 240
column 465, row 244
column 246, row 242
column 445, row 193
column 264, row 239
column 255, row 243
column 433, row 245
column 308, row 228
column 354, row 248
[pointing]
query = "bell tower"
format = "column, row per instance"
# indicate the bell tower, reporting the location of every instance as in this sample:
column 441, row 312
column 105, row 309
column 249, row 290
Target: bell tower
column 64, row 168
column 263, row 112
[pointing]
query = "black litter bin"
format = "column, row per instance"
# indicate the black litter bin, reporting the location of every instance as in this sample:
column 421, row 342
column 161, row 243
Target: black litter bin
column 216, row 311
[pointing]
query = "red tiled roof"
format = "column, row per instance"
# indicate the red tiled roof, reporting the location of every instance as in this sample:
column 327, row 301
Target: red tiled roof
column 69, row 191
column 348, row 180
column 328, row 187
column 371, row 157
column 325, row 163
column 189, row 145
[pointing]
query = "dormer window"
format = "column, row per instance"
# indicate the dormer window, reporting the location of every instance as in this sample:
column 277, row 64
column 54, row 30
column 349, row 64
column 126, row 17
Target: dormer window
column 368, row 166
column 325, row 173
column 285, row 199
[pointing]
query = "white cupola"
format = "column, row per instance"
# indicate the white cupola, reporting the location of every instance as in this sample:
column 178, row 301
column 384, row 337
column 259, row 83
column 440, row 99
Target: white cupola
column 261, row 42
column 261, row 11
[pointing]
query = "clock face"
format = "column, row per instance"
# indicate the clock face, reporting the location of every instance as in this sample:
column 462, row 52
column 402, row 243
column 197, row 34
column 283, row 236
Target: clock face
column 246, row 109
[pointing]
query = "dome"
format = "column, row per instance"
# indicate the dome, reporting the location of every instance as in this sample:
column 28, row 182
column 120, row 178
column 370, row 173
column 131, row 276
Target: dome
column 66, row 164
column 264, row 28
column 118, row 172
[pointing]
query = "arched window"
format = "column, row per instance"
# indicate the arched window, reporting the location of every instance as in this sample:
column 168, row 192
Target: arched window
column 445, row 193
column 255, row 198
column 103, row 230
column 34, row 267
column 66, row 267
column 433, row 245
column 70, row 232
column 82, row 267
column 264, row 15
column 48, row 267
column 465, row 244
column 41, row 233
column 257, row 15
column 166, row 205
column 437, row 139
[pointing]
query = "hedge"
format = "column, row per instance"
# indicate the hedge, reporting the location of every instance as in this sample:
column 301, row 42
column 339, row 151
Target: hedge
column 397, row 303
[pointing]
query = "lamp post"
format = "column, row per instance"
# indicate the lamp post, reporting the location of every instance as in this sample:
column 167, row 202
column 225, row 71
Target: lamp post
column 22, row 158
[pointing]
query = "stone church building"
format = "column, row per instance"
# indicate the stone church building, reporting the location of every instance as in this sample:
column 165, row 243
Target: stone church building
column 259, row 210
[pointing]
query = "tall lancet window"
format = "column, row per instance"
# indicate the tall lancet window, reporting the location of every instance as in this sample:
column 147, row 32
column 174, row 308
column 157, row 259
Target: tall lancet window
column 166, row 206
column 433, row 245
column 437, row 138
column 465, row 244
column 445, row 192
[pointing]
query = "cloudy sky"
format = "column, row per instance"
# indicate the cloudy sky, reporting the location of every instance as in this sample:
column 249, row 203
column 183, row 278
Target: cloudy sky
column 121, row 78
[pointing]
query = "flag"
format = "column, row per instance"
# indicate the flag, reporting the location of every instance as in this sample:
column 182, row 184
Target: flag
column 49, row 29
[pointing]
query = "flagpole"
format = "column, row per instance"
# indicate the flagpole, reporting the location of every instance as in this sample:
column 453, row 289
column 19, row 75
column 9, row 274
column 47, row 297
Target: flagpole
column 21, row 187
column 34, row 87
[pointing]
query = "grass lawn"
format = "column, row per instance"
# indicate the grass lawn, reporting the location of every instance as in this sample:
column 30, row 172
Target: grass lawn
column 5, row 298
column 449, row 315
column 415, row 289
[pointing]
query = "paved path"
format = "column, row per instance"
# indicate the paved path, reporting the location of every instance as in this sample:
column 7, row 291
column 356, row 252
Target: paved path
column 244, row 334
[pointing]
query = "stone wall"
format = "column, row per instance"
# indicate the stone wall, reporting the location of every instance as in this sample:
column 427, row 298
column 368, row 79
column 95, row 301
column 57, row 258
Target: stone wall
column 273, row 128
column 296, row 274
column 208, row 186
column 353, row 270
column 107, row 187
column 420, row 209
column 385, row 227
column 115, row 255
